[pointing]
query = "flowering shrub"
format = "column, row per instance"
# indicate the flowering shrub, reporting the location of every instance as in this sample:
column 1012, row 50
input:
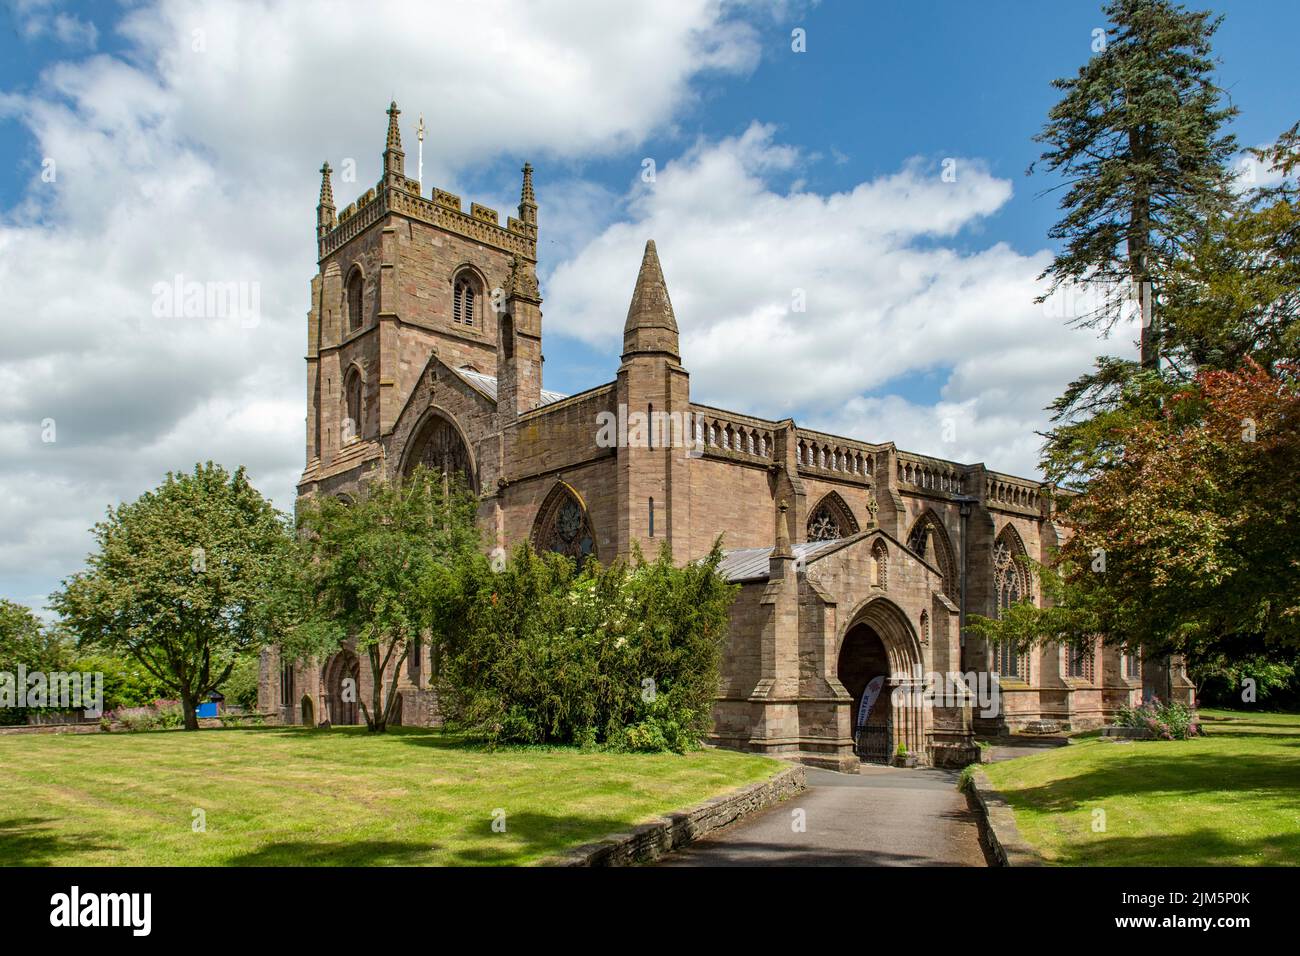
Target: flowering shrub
column 624, row 656
column 163, row 715
column 1166, row 721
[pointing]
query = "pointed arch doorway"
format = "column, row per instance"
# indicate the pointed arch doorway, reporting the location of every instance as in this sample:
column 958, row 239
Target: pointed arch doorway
column 863, row 669
column 342, row 688
column 880, row 643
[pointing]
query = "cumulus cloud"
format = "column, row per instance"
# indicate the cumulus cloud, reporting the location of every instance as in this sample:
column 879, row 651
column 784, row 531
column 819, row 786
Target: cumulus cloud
column 41, row 18
column 190, row 158
column 794, row 302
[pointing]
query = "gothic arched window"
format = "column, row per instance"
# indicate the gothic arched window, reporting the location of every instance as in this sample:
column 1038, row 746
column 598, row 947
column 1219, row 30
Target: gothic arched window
column 352, row 396
column 464, row 300
column 355, row 285
column 1010, row 584
column 563, row 526
column 928, row 539
column 831, row 519
column 438, row 447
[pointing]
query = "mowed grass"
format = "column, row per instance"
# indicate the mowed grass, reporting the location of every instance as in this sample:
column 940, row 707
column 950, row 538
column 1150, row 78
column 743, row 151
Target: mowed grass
column 290, row 796
column 1229, row 799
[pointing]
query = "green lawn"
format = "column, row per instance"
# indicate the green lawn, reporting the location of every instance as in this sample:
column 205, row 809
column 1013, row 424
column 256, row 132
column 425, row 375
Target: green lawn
column 1229, row 799
column 284, row 796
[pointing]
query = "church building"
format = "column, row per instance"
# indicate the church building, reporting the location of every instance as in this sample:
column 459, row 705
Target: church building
column 857, row 561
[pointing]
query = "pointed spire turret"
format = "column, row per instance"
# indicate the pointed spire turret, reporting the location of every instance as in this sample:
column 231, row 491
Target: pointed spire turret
column 528, row 204
column 526, row 195
column 651, row 325
column 394, row 158
column 325, row 206
column 326, row 186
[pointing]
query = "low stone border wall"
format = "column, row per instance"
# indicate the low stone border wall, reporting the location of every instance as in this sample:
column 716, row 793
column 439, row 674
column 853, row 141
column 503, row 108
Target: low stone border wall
column 1128, row 733
column 17, row 729
column 652, row 840
column 998, row 825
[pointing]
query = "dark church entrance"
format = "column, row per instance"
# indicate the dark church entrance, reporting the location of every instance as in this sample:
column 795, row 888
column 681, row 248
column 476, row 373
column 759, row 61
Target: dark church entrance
column 342, row 685
column 862, row 659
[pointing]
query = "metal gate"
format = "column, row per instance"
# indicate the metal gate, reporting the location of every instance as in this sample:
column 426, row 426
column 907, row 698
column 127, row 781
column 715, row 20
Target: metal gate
column 874, row 741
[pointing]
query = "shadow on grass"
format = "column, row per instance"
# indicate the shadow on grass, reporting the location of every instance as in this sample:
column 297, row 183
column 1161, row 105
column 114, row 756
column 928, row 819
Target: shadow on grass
column 528, row 837
column 541, row 835
column 420, row 736
column 1201, row 847
column 1187, row 773
column 334, row 853
column 29, row 841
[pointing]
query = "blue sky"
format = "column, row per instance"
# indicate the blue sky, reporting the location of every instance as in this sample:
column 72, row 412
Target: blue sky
column 777, row 171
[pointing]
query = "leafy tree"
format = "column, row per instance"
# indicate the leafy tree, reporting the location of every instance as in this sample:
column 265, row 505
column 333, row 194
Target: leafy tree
column 1197, row 524
column 26, row 641
column 625, row 656
column 1137, row 141
column 240, row 687
column 126, row 682
column 179, row 579
column 1137, row 138
column 1235, row 293
column 377, row 571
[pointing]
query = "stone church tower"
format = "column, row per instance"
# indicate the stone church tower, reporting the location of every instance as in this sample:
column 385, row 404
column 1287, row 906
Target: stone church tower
column 858, row 561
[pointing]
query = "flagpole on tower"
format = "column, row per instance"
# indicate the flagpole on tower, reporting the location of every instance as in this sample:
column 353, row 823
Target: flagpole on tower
column 419, row 134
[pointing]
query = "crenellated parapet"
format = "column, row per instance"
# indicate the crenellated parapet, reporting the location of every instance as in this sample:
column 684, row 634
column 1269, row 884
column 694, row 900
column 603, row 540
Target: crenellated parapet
column 396, row 193
column 442, row 209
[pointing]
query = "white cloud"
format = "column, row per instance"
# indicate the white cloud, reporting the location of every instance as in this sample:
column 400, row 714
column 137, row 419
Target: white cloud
column 195, row 154
column 39, row 18
column 884, row 298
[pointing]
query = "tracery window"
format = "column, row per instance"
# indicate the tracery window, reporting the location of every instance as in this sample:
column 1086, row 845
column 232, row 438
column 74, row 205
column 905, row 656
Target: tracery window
column 439, row 447
column 1010, row 584
column 929, row 540
column 355, row 285
column 1133, row 665
column 831, row 519
column 286, row 684
column 564, row 527
column 1079, row 662
column 464, row 301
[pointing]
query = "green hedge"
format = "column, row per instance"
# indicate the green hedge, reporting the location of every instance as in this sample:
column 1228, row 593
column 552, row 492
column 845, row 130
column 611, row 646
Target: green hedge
column 624, row 656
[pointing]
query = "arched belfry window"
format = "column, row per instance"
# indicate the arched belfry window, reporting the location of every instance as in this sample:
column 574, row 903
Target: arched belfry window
column 465, row 300
column 831, row 519
column 438, row 447
column 355, row 285
column 352, row 398
column 928, row 539
column 563, row 525
column 1010, row 584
